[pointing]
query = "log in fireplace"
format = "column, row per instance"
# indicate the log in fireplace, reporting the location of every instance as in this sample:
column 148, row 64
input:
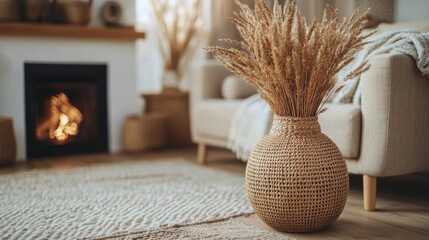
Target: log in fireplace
column 65, row 109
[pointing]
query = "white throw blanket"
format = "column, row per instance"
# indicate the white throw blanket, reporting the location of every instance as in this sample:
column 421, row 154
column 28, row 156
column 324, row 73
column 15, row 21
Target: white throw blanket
column 412, row 43
column 253, row 118
column 250, row 123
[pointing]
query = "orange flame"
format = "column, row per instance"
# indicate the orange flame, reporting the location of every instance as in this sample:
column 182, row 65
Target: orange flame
column 63, row 120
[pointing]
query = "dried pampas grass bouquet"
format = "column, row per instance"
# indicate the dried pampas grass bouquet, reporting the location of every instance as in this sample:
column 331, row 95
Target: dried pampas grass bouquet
column 180, row 22
column 292, row 64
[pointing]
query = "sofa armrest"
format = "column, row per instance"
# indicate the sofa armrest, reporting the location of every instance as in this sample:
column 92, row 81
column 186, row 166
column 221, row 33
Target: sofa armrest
column 395, row 118
column 206, row 80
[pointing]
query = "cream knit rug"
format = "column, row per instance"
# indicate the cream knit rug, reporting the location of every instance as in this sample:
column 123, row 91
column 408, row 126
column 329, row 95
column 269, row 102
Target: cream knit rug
column 230, row 229
column 106, row 200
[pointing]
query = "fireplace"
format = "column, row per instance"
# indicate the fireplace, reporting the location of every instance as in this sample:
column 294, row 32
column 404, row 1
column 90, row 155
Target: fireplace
column 65, row 109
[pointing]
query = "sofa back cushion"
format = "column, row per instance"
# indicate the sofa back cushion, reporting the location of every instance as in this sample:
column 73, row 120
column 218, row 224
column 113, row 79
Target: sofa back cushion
column 234, row 87
column 416, row 26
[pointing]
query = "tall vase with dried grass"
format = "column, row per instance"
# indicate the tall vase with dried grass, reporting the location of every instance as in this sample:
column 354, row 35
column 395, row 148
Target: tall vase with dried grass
column 297, row 179
column 179, row 24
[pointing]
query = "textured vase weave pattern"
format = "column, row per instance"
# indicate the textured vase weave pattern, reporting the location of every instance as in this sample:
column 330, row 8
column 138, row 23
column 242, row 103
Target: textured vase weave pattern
column 296, row 177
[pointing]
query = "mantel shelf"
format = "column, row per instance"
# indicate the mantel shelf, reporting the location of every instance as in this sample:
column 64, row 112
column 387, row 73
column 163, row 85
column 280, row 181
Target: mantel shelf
column 69, row 31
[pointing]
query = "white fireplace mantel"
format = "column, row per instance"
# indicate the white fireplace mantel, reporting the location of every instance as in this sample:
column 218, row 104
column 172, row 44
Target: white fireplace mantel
column 119, row 56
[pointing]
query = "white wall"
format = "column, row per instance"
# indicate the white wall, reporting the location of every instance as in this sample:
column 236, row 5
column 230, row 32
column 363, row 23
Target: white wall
column 120, row 56
column 411, row 10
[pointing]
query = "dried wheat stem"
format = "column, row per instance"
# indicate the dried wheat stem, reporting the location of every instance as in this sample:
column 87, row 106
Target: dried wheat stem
column 291, row 64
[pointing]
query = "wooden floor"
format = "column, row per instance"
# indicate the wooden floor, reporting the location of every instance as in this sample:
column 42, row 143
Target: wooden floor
column 402, row 202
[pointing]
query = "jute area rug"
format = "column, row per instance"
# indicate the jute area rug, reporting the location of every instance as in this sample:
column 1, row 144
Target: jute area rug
column 147, row 199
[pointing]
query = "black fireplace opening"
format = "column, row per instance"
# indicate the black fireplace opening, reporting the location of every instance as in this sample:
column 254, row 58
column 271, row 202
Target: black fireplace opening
column 65, row 109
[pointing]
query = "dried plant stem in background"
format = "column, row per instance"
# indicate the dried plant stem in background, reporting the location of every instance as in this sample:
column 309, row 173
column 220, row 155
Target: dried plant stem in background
column 291, row 64
column 179, row 23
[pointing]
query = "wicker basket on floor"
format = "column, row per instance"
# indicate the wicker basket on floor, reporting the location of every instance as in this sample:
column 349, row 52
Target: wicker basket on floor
column 7, row 142
column 9, row 10
column 145, row 132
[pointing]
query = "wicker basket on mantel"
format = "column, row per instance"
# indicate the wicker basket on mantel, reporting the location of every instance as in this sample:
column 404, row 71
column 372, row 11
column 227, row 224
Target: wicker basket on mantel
column 7, row 142
column 76, row 12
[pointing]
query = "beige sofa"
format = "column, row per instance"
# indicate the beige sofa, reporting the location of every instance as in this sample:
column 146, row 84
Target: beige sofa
column 387, row 135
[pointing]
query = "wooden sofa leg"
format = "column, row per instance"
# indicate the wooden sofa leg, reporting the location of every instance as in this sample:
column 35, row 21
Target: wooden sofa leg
column 369, row 192
column 202, row 153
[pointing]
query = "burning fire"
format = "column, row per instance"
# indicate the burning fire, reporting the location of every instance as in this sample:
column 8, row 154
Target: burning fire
column 62, row 120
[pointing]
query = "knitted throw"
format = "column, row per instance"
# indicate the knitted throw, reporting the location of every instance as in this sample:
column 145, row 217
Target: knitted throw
column 251, row 122
column 412, row 43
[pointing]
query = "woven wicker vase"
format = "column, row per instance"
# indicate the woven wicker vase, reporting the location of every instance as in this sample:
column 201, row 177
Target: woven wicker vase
column 296, row 177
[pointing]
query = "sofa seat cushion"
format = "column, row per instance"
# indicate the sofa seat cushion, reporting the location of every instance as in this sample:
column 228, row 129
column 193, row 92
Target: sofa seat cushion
column 342, row 123
column 213, row 117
